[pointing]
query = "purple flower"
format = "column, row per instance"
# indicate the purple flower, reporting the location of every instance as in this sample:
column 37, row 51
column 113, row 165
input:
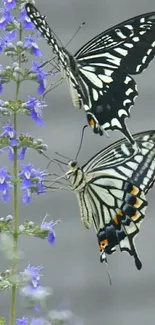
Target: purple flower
column 31, row 44
column 6, row 18
column 7, row 38
column 31, row 178
column 49, row 226
column 5, row 185
column 22, row 321
column 32, row 290
column 40, row 77
column 9, row 4
column 33, row 321
column 32, row 275
column 11, row 36
column 11, row 133
column 26, row 20
column 26, row 174
column 35, row 107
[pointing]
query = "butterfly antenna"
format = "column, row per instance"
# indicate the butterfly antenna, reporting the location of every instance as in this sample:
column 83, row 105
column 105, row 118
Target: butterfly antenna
column 62, row 156
column 75, row 34
column 54, row 57
column 56, row 161
column 82, row 135
column 60, row 161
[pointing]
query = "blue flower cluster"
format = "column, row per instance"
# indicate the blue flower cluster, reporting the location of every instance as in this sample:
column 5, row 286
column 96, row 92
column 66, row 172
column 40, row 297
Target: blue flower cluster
column 19, row 43
column 31, row 178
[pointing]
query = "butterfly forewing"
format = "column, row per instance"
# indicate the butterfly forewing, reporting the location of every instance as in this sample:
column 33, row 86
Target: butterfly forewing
column 132, row 42
column 121, row 160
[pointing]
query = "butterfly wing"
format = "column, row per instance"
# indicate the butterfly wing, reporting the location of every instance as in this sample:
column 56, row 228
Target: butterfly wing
column 128, row 46
column 105, row 63
column 120, row 160
column 98, row 73
column 107, row 99
column 117, row 208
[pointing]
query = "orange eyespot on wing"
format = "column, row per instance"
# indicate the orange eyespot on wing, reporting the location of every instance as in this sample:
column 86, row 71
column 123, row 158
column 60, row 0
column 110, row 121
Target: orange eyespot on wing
column 103, row 244
column 134, row 190
column 120, row 213
column 115, row 220
column 92, row 123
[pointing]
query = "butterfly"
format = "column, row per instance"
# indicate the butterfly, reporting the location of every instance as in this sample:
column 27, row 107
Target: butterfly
column 99, row 73
column 111, row 191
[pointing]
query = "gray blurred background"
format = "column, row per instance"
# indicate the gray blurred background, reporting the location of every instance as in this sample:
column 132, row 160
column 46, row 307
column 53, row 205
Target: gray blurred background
column 72, row 267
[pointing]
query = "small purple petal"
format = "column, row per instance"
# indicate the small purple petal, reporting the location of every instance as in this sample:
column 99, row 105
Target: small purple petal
column 27, row 197
column 11, row 36
column 41, row 88
column 10, row 154
column 37, row 308
column 21, row 156
column 26, row 20
column 31, row 44
column 5, row 196
column 51, row 237
column 1, row 88
column 9, row 4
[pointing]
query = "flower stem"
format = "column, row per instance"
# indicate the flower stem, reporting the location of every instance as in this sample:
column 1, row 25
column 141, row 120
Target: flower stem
column 15, row 207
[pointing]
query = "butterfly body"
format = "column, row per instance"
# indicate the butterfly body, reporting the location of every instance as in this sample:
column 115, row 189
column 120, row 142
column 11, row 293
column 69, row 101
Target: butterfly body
column 111, row 191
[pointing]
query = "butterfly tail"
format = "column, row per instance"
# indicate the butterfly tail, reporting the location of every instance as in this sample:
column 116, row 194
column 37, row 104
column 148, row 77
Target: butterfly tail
column 125, row 225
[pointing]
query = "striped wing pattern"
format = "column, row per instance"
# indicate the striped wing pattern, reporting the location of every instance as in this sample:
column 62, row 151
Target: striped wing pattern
column 99, row 73
column 117, row 209
column 120, row 160
column 111, row 189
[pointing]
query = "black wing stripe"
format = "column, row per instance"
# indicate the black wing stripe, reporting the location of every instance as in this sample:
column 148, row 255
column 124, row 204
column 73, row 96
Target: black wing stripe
column 122, row 32
column 124, row 223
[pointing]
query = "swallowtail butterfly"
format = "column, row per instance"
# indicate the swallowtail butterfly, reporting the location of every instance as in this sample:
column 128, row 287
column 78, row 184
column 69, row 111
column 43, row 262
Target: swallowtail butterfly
column 99, row 73
column 111, row 189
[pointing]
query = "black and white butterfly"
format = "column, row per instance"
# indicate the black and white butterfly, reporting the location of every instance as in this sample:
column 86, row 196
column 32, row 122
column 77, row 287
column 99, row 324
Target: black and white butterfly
column 99, row 73
column 111, row 189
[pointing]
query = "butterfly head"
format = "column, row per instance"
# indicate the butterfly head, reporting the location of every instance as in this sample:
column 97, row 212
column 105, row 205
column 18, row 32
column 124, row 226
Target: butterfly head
column 73, row 168
column 75, row 175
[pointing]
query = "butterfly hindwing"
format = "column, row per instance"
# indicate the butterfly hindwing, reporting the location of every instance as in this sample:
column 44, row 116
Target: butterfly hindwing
column 118, row 208
column 108, row 100
column 110, row 57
